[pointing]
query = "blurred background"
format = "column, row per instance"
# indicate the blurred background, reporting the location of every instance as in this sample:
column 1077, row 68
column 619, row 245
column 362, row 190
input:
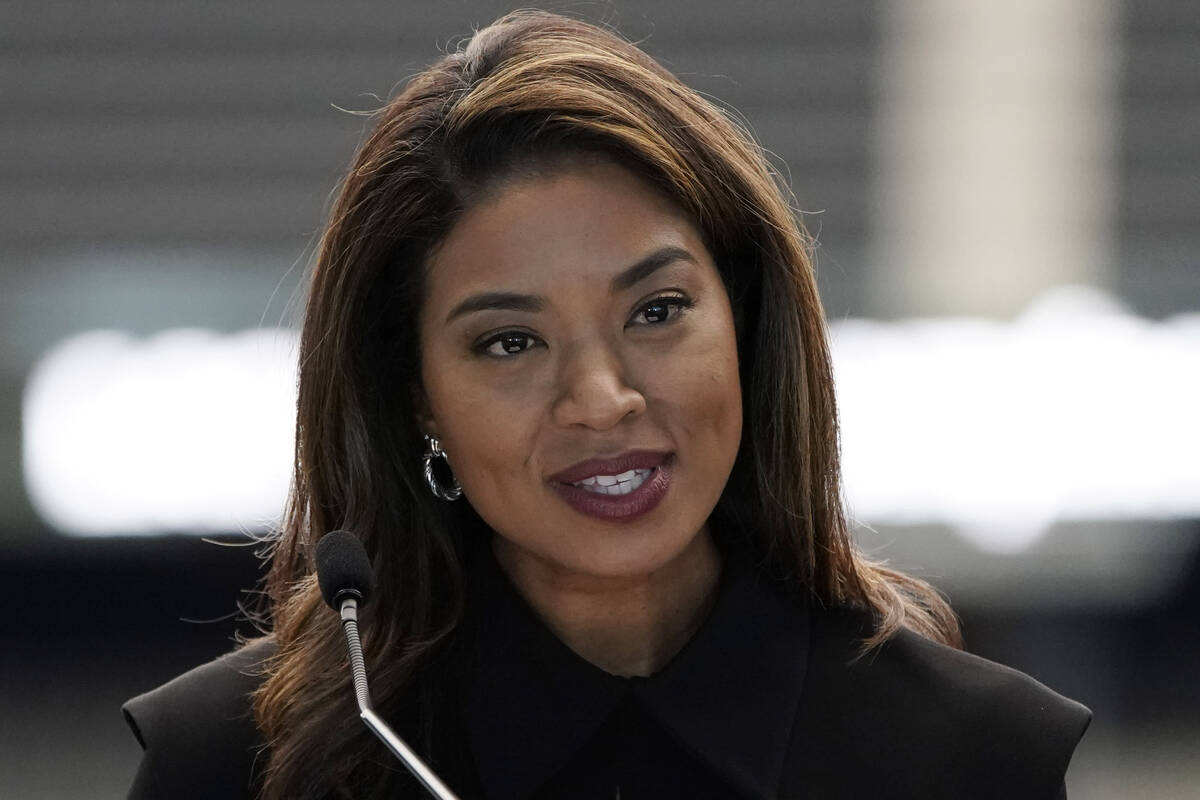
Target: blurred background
column 1006, row 198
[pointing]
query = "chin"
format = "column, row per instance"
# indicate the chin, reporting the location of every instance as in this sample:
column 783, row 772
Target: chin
column 623, row 558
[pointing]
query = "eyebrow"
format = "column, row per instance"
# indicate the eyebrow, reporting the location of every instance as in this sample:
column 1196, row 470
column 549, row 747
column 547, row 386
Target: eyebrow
column 643, row 269
column 625, row 279
column 503, row 301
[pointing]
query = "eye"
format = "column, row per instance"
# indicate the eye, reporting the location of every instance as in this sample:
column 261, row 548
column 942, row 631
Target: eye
column 660, row 310
column 506, row 344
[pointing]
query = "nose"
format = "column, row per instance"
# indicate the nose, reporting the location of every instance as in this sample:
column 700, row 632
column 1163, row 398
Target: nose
column 594, row 391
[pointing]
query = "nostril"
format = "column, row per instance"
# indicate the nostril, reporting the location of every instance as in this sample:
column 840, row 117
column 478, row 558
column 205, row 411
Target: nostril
column 600, row 410
column 598, row 397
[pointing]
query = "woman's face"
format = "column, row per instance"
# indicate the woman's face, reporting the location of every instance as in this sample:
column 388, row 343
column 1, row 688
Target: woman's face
column 580, row 370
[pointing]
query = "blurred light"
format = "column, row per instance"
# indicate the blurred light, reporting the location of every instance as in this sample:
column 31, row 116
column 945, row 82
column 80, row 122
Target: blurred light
column 188, row 431
column 1075, row 411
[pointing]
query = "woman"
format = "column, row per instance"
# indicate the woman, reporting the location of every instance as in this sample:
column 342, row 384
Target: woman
column 564, row 371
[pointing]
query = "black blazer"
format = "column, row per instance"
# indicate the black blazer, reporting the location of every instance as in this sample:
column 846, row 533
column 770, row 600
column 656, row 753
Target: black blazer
column 773, row 698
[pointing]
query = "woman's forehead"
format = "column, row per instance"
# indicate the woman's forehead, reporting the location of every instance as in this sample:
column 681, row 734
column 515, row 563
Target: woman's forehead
column 586, row 222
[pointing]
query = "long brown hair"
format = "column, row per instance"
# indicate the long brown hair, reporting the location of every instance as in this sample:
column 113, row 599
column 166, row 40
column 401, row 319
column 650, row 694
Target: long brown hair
column 529, row 87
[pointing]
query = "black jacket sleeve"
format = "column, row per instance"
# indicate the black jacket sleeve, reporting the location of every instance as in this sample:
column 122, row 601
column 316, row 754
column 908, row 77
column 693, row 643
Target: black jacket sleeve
column 197, row 732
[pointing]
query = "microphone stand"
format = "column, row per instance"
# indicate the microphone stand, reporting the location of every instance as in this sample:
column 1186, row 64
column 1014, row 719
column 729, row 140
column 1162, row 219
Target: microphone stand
column 419, row 769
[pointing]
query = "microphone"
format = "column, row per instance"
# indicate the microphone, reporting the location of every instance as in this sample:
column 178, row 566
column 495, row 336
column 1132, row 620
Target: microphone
column 346, row 580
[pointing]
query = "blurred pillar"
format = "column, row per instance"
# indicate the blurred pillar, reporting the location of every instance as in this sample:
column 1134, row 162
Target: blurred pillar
column 996, row 154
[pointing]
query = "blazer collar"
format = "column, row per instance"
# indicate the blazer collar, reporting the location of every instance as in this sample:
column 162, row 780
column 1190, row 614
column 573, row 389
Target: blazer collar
column 730, row 695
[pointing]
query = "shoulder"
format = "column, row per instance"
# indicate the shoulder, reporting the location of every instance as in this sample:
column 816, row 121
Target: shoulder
column 197, row 731
column 926, row 715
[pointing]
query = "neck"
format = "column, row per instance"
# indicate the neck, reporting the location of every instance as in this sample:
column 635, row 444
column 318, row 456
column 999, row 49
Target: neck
column 627, row 626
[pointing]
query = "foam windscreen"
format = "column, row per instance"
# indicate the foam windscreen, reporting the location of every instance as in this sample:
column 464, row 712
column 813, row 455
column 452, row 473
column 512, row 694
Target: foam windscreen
column 343, row 567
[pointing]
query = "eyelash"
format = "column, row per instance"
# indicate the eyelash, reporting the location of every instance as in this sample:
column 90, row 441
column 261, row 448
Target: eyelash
column 486, row 345
column 675, row 304
column 678, row 302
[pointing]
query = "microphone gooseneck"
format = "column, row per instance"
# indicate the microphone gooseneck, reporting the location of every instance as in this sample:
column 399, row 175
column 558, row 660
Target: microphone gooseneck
column 346, row 580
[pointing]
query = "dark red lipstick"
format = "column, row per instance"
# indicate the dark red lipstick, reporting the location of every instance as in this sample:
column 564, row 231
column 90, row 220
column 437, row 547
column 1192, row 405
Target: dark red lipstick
column 615, row 507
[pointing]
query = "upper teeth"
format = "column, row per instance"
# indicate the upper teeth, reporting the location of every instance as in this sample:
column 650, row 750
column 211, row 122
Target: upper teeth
column 624, row 483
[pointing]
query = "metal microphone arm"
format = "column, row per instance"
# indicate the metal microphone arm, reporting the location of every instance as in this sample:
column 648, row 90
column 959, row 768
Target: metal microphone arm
column 422, row 772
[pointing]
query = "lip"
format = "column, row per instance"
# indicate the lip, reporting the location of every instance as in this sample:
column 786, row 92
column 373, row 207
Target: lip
column 616, row 508
column 635, row 459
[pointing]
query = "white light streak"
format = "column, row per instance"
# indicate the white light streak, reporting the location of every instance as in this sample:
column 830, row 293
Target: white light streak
column 188, row 431
column 1075, row 411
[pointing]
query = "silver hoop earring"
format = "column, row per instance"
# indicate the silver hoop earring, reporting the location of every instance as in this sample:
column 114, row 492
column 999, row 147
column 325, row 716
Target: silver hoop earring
column 433, row 449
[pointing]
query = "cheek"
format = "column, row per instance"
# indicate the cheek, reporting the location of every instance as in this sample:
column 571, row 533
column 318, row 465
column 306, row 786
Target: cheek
column 703, row 392
column 486, row 433
column 718, row 402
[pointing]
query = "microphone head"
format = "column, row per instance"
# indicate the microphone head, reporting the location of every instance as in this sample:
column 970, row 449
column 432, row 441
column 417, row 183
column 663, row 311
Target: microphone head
column 343, row 569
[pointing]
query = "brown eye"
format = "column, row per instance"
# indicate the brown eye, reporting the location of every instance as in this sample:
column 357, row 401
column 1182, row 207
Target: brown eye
column 656, row 312
column 660, row 310
column 504, row 345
